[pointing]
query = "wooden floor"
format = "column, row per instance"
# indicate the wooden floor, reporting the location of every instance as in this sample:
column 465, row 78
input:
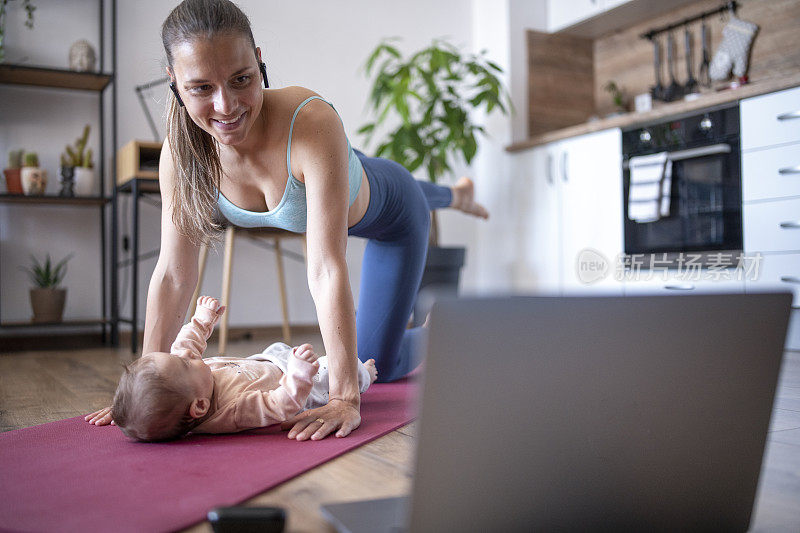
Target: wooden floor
column 40, row 387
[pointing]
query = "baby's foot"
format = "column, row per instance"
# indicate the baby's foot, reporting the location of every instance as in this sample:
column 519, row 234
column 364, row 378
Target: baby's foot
column 464, row 199
column 305, row 352
column 373, row 372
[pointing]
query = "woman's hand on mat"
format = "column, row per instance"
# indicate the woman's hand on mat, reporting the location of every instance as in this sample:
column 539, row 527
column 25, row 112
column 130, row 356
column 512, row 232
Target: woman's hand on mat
column 101, row 417
column 338, row 415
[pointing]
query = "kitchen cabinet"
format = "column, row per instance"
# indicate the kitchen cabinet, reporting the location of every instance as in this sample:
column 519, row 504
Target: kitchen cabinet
column 564, row 13
column 771, row 195
column 771, row 198
column 570, row 237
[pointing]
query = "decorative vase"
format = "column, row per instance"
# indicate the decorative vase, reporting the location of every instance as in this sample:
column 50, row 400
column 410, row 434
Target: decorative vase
column 13, row 180
column 48, row 304
column 34, row 180
column 67, row 181
column 84, row 181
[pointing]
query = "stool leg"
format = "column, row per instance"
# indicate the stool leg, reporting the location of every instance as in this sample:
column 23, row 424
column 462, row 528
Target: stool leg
column 201, row 271
column 287, row 336
column 227, row 267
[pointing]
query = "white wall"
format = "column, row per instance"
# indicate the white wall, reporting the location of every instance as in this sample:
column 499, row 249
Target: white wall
column 318, row 44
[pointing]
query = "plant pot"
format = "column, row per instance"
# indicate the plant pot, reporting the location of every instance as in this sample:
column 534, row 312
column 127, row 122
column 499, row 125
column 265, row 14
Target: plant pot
column 440, row 279
column 34, row 180
column 67, row 181
column 13, row 180
column 84, row 181
column 48, row 304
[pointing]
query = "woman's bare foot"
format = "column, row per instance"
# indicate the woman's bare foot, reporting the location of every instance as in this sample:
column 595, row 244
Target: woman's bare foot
column 464, row 198
column 373, row 372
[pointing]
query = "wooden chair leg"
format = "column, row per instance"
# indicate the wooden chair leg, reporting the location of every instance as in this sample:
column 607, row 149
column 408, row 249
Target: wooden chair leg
column 201, row 270
column 227, row 268
column 287, row 334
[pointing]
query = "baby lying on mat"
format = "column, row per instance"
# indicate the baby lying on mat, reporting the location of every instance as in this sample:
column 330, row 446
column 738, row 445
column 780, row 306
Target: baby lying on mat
column 163, row 396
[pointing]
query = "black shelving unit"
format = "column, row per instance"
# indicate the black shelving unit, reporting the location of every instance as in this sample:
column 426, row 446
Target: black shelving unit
column 136, row 187
column 97, row 82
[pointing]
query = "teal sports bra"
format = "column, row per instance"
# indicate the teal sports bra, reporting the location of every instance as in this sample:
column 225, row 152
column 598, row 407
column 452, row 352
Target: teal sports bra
column 290, row 213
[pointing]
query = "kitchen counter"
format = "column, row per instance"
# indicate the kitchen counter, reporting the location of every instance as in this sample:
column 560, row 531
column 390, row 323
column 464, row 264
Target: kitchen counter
column 664, row 110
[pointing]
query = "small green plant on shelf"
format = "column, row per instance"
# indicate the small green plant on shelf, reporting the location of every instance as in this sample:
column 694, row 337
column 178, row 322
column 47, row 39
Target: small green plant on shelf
column 13, row 172
column 46, row 275
column 78, row 155
column 47, row 298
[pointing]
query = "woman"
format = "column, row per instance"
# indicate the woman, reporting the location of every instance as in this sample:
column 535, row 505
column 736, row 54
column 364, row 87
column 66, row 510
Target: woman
column 230, row 146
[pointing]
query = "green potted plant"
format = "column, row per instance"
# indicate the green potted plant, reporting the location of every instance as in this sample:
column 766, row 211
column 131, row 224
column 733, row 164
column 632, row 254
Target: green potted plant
column 618, row 97
column 47, row 299
column 77, row 167
column 431, row 95
column 29, row 9
column 33, row 177
column 13, row 172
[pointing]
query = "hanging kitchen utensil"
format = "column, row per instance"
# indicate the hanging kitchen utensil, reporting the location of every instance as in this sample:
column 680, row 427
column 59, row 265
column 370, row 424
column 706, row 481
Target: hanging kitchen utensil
column 703, row 75
column 691, row 83
column 657, row 90
column 674, row 89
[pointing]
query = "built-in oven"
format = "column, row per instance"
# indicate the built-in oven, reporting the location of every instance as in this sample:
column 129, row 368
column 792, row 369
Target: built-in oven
column 682, row 187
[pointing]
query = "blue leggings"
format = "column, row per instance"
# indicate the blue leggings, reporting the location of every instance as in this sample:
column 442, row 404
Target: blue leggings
column 396, row 223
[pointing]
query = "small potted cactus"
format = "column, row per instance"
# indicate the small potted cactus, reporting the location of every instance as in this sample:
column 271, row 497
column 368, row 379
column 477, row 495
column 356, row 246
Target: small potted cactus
column 34, row 178
column 47, row 299
column 13, row 172
column 77, row 164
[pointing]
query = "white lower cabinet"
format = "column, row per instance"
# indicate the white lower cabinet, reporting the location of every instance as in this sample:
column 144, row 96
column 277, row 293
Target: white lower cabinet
column 777, row 272
column 793, row 335
column 570, row 234
column 771, row 196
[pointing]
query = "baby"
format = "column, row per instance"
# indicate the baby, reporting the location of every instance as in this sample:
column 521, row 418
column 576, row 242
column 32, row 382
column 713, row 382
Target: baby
column 164, row 396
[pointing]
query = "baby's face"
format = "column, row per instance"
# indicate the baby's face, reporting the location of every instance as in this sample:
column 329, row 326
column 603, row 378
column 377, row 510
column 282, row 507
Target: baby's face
column 192, row 372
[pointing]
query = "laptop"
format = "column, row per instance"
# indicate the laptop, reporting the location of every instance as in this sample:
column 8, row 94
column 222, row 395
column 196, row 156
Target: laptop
column 544, row 413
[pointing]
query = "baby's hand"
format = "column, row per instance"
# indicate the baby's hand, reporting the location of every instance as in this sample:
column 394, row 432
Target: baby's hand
column 305, row 352
column 211, row 303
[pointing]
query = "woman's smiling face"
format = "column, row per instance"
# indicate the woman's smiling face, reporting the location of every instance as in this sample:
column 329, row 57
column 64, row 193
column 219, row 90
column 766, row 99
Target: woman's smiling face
column 220, row 84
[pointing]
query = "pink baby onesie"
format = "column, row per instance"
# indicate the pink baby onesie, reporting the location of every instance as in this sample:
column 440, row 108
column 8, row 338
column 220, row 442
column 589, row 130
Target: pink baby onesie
column 248, row 392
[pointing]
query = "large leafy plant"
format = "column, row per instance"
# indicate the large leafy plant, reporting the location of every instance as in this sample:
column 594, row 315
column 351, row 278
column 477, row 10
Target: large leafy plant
column 47, row 275
column 432, row 94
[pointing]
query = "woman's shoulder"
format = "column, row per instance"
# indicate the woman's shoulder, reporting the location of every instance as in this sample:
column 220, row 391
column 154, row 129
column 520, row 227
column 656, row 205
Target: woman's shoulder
column 288, row 98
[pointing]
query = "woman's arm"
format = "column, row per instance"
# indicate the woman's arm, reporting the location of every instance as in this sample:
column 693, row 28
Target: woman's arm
column 172, row 283
column 320, row 150
column 175, row 276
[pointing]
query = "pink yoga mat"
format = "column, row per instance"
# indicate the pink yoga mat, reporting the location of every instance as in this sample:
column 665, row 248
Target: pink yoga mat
column 72, row 476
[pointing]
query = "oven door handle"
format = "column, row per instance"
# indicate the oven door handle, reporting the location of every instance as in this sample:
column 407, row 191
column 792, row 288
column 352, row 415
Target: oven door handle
column 703, row 151
column 680, row 155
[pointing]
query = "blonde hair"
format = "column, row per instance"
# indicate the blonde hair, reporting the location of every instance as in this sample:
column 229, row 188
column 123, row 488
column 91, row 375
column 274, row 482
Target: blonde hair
column 195, row 153
column 150, row 407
